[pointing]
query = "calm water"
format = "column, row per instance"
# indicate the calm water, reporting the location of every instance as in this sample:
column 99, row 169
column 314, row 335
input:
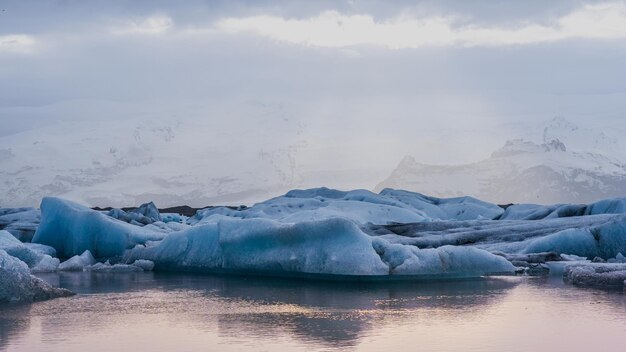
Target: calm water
column 158, row 312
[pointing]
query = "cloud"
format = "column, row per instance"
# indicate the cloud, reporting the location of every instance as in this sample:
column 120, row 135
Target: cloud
column 156, row 24
column 335, row 30
column 20, row 43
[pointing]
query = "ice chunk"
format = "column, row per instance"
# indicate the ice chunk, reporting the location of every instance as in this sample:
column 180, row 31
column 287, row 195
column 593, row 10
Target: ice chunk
column 35, row 256
column 18, row 285
column 605, row 240
column 587, row 236
column 72, row 228
column 47, row 264
column 159, row 226
column 116, row 268
column 360, row 206
column 173, row 218
column 332, row 246
column 527, row 212
column 146, row 214
column 537, row 212
column 442, row 262
column 78, row 262
column 148, row 210
column 607, row 206
column 41, row 248
column 596, row 275
column 460, row 208
column 20, row 222
column 145, row 265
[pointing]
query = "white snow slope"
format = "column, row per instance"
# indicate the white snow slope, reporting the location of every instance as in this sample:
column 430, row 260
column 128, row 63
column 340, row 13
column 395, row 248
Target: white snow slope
column 520, row 172
column 133, row 161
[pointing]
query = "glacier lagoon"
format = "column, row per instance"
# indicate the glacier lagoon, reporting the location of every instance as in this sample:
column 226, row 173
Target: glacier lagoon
column 168, row 312
column 315, row 269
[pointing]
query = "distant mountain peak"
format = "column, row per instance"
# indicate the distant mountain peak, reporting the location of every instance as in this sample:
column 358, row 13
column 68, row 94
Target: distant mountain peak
column 520, row 171
column 520, row 146
column 407, row 161
column 554, row 145
column 578, row 138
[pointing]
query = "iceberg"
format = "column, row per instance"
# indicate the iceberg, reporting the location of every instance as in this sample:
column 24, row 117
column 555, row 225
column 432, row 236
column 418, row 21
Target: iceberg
column 78, row 262
column 605, row 241
column 106, row 267
column 459, row 208
column 145, row 265
column 598, row 275
column 72, row 229
column 18, row 285
column 360, row 206
column 537, row 212
column 20, row 222
column 588, row 236
column 324, row 247
column 146, row 214
column 323, row 232
column 38, row 258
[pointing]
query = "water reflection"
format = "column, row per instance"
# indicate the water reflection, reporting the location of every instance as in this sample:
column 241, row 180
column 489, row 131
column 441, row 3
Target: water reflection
column 339, row 314
column 330, row 313
column 154, row 311
column 13, row 322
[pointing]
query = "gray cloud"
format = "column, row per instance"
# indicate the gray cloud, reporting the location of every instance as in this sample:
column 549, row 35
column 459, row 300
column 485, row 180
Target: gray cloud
column 359, row 106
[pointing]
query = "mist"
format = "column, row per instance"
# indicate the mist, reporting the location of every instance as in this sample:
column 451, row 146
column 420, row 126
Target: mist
column 263, row 96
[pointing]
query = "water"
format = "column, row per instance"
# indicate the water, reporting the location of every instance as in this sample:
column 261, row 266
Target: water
column 159, row 312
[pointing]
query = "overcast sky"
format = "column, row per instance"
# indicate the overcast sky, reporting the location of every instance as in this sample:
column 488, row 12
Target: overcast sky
column 353, row 72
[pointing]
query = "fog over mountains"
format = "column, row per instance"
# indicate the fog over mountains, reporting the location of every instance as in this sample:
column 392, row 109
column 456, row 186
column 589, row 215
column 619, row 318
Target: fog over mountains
column 128, row 162
column 230, row 102
column 525, row 171
column 132, row 161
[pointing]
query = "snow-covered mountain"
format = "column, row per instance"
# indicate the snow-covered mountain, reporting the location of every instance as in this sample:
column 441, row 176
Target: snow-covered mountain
column 122, row 162
column 582, row 138
column 520, row 172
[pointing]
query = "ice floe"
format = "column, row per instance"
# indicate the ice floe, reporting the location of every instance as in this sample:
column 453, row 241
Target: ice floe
column 331, row 246
column 72, row 228
column 323, row 232
column 18, row 285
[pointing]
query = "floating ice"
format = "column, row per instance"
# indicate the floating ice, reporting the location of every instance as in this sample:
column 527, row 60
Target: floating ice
column 18, row 285
column 173, row 218
column 332, row 246
column 537, row 212
column 37, row 257
column 360, row 206
column 146, row 214
column 72, row 228
column 145, row 265
column 460, row 208
column 604, row 240
column 587, row 236
column 20, row 222
column 106, row 267
column 619, row 258
column 596, row 275
column 78, row 262
column 329, row 232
